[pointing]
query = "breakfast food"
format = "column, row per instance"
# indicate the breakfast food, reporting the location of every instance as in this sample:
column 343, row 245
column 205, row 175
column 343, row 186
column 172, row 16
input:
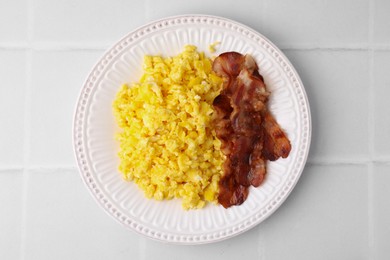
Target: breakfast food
column 197, row 129
column 213, row 47
column 248, row 132
column 168, row 146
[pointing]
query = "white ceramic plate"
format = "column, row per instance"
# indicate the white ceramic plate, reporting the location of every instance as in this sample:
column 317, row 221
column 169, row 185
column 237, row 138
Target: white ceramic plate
column 94, row 130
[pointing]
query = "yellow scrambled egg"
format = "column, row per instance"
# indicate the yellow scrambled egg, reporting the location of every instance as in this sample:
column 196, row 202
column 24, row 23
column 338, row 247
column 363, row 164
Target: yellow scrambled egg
column 168, row 146
column 213, row 47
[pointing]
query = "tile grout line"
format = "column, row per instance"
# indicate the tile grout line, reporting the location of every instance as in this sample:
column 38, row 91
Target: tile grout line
column 334, row 48
column 371, row 129
column 27, row 128
column 74, row 46
column 40, row 168
column 26, row 149
column 347, row 162
column 54, row 46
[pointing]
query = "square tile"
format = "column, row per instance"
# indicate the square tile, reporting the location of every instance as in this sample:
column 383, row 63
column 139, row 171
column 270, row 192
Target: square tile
column 156, row 9
column 381, row 211
column 381, row 22
column 64, row 222
column 11, row 193
column 14, row 18
column 325, row 216
column 316, row 23
column 12, row 106
column 381, row 104
column 336, row 84
column 56, row 82
column 86, row 21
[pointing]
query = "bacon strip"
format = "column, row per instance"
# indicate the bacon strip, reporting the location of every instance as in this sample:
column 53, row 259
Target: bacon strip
column 248, row 132
column 276, row 143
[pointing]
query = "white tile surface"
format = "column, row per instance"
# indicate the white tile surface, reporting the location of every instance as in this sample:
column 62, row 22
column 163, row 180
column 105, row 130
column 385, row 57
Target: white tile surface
column 12, row 106
column 64, row 222
column 317, row 221
column 11, row 193
column 325, row 217
column 381, row 99
column 154, row 10
column 57, row 77
column 14, row 18
column 86, row 21
column 381, row 211
column 241, row 247
column 318, row 23
column 339, row 208
column 381, row 22
column 336, row 83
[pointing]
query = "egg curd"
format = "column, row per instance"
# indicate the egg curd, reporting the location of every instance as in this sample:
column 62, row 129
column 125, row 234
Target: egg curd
column 167, row 143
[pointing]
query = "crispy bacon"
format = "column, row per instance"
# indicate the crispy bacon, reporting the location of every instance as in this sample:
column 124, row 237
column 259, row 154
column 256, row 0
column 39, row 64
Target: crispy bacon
column 276, row 143
column 257, row 163
column 248, row 132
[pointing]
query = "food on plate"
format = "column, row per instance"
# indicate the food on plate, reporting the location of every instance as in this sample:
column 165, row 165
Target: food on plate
column 213, row 47
column 249, row 133
column 168, row 145
column 198, row 129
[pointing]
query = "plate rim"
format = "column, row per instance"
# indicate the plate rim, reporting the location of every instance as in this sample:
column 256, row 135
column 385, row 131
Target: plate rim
column 88, row 88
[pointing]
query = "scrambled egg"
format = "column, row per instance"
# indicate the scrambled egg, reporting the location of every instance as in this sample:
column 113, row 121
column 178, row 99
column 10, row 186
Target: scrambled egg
column 213, row 47
column 168, row 146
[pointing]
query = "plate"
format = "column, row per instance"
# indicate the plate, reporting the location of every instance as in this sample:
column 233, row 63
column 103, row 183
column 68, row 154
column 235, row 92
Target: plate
column 96, row 149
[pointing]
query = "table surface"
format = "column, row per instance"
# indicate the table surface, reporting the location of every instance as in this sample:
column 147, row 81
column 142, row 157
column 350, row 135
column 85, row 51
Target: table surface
column 339, row 208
